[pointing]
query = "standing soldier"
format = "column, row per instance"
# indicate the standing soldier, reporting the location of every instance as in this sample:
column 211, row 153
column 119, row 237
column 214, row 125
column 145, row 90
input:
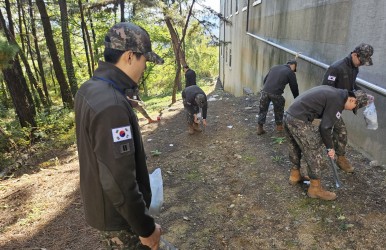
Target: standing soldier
column 342, row 74
column 114, row 180
column 274, row 83
column 190, row 76
column 194, row 100
column 325, row 103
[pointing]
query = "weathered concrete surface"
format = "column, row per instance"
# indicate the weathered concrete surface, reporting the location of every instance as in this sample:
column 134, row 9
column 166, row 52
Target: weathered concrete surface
column 324, row 30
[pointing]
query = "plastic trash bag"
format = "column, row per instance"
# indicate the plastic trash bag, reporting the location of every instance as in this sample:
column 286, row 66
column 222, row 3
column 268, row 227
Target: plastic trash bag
column 370, row 114
column 157, row 191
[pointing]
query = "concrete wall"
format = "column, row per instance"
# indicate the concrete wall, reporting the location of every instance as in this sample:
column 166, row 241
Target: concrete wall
column 324, row 30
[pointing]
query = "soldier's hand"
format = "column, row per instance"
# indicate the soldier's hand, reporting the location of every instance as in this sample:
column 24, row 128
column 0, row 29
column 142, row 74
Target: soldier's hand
column 195, row 118
column 331, row 153
column 150, row 120
column 153, row 240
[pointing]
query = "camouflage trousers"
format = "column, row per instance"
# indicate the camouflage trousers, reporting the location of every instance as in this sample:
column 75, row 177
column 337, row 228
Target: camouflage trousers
column 304, row 139
column 123, row 240
column 278, row 107
column 189, row 113
column 339, row 137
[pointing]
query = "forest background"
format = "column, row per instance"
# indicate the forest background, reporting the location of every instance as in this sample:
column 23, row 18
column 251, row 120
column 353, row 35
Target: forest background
column 49, row 48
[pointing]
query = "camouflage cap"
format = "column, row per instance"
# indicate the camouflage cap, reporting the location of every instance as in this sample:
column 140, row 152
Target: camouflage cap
column 362, row 100
column 200, row 100
column 364, row 51
column 127, row 36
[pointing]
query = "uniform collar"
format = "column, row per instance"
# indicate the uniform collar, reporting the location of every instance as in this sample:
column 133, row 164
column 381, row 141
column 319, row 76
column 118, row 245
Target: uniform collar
column 112, row 73
column 349, row 61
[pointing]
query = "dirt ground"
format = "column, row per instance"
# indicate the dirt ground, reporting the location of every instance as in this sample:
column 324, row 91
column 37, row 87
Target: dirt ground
column 225, row 188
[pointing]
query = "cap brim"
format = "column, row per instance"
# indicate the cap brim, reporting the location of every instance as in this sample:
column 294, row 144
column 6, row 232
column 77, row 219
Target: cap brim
column 368, row 62
column 153, row 57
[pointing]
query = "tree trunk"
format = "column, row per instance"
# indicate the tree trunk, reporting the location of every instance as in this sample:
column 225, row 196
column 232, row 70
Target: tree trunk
column 23, row 56
column 19, row 91
column 92, row 32
column 37, row 51
column 67, row 47
column 16, row 83
column 21, row 18
column 64, row 88
column 178, row 51
column 86, row 41
column 175, row 44
column 27, row 40
column 122, row 6
column 4, row 98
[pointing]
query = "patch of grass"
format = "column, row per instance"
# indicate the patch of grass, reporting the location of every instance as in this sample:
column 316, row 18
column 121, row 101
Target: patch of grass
column 346, row 226
column 193, row 176
column 249, row 158
column 155, row 152
column 154, row 105
column 277, row 158
column 34, row 215
column 278, row 140
column 52, row 162
column 297, row 209
column 292, row 243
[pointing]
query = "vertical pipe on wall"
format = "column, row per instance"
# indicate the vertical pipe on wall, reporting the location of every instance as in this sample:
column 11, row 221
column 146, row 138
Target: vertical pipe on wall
column 247, row 25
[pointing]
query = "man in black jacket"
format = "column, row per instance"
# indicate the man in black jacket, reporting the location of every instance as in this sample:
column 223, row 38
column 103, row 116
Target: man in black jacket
column 114, row 180
column 195, row 102
column 325, row 103
column 190, row 76
column 342, row 74
column 274, row 83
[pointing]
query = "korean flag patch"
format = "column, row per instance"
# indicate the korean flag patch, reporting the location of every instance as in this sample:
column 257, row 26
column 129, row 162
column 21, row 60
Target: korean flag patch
column 121, row 134
column 331, row 78
column 338, row 115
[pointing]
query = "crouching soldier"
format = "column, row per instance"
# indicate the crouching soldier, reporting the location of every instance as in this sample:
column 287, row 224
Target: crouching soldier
column 195, row 103
column 325, row 103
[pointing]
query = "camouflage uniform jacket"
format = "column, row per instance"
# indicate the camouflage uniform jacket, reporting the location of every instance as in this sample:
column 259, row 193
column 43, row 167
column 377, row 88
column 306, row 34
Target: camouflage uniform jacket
column 114, row 180
column 188, row 95
column 278, row 77
column 342, row 75
column 321, row 102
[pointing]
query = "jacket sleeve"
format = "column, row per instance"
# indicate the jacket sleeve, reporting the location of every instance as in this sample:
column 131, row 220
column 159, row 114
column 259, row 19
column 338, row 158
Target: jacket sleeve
column 293, row 84
column 330, row 115
column 331, row 77
column 205, row 109
column 117, row 167
column 265, row 78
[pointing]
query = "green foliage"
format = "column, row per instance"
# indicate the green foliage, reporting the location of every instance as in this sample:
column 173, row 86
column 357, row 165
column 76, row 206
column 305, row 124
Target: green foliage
column 200, row 55
column 156, row 104
column 7, row 52
column 56, row 126
column 55, row 130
